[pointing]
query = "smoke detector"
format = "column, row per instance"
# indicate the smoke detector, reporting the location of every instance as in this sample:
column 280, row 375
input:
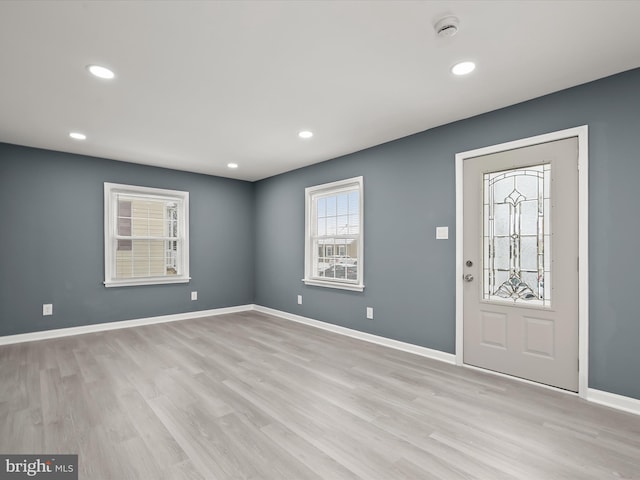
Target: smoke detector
column 446, row 27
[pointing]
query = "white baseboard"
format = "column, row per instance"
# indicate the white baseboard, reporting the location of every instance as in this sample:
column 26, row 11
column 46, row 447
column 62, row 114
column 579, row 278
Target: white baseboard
column 612, row 400
column 101, row 327
column 367, row 337
column 619, row 402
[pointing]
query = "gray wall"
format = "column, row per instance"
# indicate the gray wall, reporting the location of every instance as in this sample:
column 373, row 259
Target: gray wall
column 245, row 235
column 52, row 242
column 410, row 189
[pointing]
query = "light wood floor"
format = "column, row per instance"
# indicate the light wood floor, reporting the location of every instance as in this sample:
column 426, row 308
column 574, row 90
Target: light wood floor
column 248, row 396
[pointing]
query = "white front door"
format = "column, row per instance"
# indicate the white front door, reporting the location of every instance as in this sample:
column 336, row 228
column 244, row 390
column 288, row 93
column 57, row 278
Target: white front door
column 520, row 262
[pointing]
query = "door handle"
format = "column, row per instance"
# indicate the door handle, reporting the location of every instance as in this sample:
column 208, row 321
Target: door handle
column 468, row 277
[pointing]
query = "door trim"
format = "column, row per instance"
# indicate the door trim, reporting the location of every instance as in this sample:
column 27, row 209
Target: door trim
column 581, row 133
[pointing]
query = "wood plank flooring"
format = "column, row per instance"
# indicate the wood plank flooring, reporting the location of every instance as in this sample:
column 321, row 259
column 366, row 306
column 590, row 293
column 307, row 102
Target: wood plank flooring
column 249, row 396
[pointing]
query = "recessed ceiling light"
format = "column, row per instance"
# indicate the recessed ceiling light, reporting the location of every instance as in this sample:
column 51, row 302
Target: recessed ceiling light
column 78, row 136
column 305, row 134
column 463, row 68
column 101, row 72
column 232, row 165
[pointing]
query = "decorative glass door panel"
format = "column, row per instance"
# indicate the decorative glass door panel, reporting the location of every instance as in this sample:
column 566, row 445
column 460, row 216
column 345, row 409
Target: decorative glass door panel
column 517, row 236
column 512, row 201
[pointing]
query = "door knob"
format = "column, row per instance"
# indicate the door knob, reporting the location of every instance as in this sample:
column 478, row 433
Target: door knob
column 468, row 277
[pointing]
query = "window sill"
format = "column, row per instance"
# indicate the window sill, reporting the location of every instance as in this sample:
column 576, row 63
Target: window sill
column 131, row 282
column 354, row 287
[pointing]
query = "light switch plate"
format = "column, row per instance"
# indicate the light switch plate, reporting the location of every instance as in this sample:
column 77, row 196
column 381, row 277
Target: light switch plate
column 442, row 233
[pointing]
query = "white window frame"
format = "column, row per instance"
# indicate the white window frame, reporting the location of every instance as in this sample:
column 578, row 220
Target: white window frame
column 310, row 253
column 110, row 233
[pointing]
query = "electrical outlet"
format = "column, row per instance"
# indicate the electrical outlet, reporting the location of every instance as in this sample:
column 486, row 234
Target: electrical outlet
column 47, row 309
column 194, row 295
column 370, row 313
column 299, row 299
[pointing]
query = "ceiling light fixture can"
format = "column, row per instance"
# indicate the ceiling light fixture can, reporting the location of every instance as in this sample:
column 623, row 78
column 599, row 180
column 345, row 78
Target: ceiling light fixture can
column 101, row 72
column 305, row 134
column 463, row 68
column 78, row 136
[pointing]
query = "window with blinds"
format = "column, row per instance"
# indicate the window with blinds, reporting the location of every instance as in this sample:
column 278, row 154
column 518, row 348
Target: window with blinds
column 334, row 235
column 146, row 235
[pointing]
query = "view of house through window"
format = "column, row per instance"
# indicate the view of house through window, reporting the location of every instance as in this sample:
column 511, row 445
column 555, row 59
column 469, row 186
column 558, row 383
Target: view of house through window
column 334, row 235
column 146, row 235
column 140, row 255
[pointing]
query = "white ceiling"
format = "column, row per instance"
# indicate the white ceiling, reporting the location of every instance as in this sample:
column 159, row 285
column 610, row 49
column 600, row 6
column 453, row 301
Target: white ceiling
column 202, row 84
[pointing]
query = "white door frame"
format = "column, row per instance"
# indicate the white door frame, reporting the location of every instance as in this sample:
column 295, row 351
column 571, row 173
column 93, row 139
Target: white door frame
column 583, row 239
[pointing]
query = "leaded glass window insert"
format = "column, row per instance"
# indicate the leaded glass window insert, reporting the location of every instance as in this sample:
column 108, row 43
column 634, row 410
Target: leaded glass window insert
column 517, row 236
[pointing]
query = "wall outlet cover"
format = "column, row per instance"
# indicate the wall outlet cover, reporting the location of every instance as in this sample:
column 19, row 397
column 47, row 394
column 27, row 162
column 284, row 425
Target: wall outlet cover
column 194, row 295
column 47, row 309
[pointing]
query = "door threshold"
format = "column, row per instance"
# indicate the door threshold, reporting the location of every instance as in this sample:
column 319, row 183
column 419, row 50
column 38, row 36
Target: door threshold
column 519, row 379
